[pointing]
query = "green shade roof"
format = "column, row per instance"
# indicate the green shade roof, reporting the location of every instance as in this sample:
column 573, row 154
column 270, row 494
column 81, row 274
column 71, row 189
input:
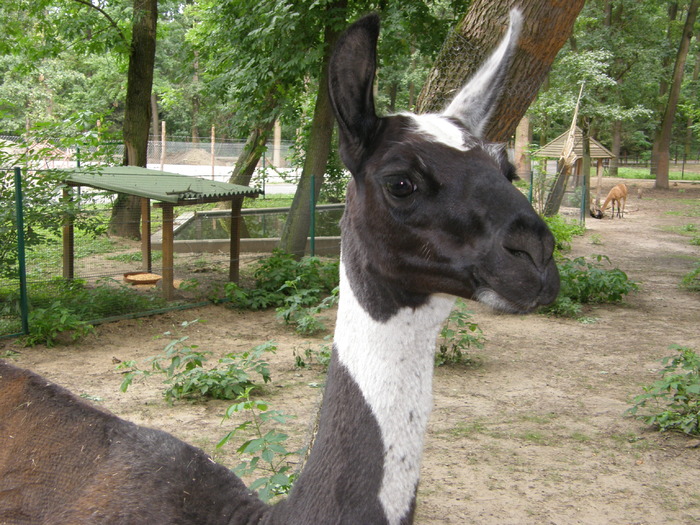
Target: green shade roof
column 155, row 184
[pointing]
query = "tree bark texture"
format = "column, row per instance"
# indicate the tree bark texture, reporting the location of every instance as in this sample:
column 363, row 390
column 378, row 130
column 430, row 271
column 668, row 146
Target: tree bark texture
column 548, row 24
column 250, row 156
column 296, row 228
column 126, row 212
column 664, row 137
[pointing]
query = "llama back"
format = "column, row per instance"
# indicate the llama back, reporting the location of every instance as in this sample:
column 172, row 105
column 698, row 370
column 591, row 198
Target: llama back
column 65, row 462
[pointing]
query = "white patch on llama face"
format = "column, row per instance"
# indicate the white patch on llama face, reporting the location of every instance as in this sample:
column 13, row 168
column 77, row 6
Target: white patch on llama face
column 438, row 128
column 392, row 362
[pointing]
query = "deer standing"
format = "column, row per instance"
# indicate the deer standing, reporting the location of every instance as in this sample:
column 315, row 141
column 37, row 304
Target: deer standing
column 431, row 214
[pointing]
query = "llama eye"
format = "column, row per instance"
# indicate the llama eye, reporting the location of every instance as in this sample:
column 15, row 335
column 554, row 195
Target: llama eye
column 399, row 186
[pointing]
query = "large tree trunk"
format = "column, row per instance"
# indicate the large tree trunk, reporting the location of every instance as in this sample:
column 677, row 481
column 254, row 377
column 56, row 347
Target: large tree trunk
column 663, row 87
column 126, row 212
column 296, row 229
column 664, row 137
column 548, row 23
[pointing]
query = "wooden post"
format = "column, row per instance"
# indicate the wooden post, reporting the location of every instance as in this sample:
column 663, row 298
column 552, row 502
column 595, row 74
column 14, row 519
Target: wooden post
column 235, row 251
column 146, row 263
column 68, row 239
column 599, row 173
column 162, row 145
column 168, row 259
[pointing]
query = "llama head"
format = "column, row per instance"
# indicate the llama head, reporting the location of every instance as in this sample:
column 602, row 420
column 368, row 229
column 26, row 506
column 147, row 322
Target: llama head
column 431, row 208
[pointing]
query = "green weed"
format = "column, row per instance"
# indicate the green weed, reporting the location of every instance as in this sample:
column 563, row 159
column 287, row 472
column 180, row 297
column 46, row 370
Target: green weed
column 186, row 378
column 458, row 334
column 266, row 450
column 673, row 400
column 584, row 282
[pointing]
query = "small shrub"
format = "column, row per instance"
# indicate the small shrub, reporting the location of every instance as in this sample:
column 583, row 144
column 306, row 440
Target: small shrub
column 673, row 400
column 186, row 377
column 306, row 319
column 584, row 282
column 691, row 280
column 281, row 276
column 310, row 356
column 46, row 324
column 266, row 449
column 458, row 334
column 564, row 233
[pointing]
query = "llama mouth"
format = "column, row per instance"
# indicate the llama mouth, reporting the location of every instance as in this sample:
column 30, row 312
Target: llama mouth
column 501, row 304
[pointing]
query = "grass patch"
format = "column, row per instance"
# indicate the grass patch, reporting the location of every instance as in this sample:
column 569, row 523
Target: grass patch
column 643, row 173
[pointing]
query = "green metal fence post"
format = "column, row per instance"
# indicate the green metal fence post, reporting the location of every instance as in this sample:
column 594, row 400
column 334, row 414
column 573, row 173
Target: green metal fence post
column 21, row 258
column 312, row 229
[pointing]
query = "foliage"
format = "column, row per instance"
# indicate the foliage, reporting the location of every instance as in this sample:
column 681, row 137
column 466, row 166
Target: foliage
column 458, row 334
column 691, row 280
column 320, row 355
column 584, row 282
column 281, row 276
column 674, row 400
column 266, row 448
column 47, row 323
column 183, row 368
column 69, row 305
column 304, row 318
column 564, row 231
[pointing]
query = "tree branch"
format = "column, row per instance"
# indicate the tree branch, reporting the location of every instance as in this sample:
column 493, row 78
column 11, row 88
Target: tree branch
column 106, row 15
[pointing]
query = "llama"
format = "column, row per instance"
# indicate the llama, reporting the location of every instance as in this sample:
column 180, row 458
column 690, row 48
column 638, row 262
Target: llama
column 618, row 194
column 431, row 214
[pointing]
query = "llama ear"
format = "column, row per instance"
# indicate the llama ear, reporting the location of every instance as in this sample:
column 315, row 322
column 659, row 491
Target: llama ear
column 474, row 103
column 351, row 87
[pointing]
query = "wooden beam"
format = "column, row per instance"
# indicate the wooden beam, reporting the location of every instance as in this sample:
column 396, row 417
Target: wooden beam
column 168, row 259
column 147, row 261
column 68, row 239
column 235, row 250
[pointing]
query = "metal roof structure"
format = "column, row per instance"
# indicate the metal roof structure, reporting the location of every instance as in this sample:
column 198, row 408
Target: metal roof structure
column 171, row 189
column 156, row 185
column 553, row 149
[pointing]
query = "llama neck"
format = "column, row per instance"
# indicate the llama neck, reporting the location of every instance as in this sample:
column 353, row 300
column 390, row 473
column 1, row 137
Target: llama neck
column 365, row 462
column 392, row 363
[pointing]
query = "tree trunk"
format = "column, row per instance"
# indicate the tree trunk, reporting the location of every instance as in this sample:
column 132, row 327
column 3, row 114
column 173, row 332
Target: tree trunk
column 664, row 142
column 663, row 87
column 523, row 137
column 126, row 212
column 296, row 228
column 615, row 148
column 250, row 156
column 548, row 24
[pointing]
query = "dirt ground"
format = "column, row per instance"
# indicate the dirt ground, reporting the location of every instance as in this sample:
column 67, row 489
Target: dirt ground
column 534, row 434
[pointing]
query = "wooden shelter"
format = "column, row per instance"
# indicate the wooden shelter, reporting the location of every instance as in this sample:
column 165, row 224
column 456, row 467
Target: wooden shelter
column 555, row 149
column 170, row 190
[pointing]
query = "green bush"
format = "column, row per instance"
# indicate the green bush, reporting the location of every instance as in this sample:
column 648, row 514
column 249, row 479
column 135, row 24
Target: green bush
column 186, row 377
column 673, row 400
column 584, row 282
column 564, row 232
column 281, row 276
column 46, row 324
column 691, row 280
column 458, row 334
column 266, row 450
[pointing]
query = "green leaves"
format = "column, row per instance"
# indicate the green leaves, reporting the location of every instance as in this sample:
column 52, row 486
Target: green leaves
column 266, row 448
column 458, row 334
column 674, row 400
column 584, row 282
column 187, row 378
